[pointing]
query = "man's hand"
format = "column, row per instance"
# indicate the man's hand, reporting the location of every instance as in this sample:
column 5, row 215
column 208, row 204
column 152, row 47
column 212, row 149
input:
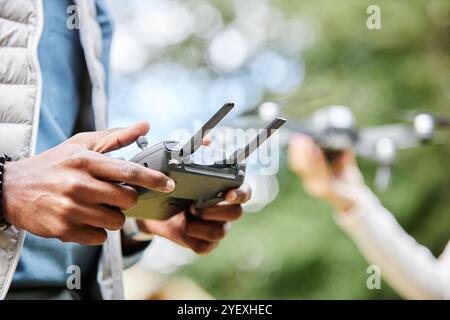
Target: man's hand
column 333, row 183
column 203, row 233
column 71, row 193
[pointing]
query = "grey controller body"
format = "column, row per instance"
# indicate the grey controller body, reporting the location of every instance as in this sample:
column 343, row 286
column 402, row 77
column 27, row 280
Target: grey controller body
column 206, row 185
column 199, row 183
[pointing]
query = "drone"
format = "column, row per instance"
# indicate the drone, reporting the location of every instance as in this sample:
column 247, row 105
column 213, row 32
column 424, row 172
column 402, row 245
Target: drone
column 334, row 129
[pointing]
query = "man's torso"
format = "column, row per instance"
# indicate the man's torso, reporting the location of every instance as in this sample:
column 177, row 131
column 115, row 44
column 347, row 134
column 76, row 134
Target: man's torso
column 43, row 266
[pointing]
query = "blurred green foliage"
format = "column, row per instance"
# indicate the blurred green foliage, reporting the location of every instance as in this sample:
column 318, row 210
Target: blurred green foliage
column 293, row 249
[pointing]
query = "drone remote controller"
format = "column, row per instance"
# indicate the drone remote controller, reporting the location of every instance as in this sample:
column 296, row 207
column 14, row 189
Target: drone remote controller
column 205, row 185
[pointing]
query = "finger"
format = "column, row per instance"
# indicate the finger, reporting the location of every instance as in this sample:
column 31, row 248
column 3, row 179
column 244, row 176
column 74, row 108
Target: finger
column 210, row 231
column 299, row 153
column 348, row 170
column 112, row 139
column 239, row 196
column 221, row 212
column 199, row 246
column 307, row 161
column 107, row 193
column 109, row 169
column 172, row 228
column 342, row 162
column 86, row 236
column 206, row 141
column 99, row 216
column 305, row 157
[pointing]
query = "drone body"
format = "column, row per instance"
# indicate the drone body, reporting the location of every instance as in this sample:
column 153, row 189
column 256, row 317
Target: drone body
column 334, row 130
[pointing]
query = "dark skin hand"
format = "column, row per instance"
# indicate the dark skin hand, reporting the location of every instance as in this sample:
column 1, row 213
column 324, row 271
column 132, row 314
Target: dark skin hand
column 210, row 225
column 69, row 192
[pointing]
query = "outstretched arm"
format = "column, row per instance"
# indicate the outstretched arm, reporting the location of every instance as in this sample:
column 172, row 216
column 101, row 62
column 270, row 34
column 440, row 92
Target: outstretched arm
column 407, row 266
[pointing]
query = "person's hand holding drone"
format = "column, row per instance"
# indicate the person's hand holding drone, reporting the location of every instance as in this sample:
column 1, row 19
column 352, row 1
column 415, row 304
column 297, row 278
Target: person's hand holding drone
column 336, row 183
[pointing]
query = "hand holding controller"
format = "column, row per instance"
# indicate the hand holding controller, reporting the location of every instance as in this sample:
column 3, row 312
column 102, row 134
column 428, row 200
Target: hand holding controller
column 204, row 185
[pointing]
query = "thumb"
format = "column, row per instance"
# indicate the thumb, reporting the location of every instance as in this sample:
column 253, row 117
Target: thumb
column 345, row 159
column 305, row 157
column 347, row 169
column 111, row 139
column 206, row 141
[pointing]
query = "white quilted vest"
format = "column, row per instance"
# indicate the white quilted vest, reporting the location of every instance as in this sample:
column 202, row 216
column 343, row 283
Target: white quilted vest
column 21, row 23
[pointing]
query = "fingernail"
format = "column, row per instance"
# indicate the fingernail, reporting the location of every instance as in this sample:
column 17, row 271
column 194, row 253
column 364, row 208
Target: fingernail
column 194, row 210
column 298, row 138
column 233, row 196
column 316, row 152
column 170, row 185
column 227, row 227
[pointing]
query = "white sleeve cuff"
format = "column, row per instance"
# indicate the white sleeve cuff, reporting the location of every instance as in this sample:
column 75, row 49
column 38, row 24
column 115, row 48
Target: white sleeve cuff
column 364, row 201
column 132, row 231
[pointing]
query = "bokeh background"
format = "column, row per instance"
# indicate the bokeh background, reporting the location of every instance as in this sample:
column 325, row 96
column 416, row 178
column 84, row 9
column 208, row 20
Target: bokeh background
column 176, row 61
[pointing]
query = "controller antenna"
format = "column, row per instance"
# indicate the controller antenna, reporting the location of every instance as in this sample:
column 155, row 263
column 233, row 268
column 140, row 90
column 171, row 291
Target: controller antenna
column 142, row 142
column 196, row 141
column 241, row 154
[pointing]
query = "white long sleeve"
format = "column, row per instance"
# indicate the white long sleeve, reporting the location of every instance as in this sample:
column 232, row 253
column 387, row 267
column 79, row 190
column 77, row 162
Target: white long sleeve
column 407, row 266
